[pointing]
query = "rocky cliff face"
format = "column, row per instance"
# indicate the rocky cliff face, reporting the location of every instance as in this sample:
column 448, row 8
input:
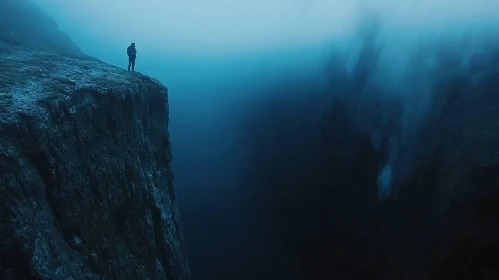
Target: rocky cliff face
column 86, row 186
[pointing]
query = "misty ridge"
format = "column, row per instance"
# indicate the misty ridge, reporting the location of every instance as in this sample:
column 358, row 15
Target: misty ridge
column 312, row 139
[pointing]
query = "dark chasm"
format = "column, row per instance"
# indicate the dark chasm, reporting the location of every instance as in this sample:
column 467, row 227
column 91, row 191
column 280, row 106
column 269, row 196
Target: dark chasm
column 378, row 162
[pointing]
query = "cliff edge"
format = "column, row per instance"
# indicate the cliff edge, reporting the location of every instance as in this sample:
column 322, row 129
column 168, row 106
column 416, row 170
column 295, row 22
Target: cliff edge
column 86, row 186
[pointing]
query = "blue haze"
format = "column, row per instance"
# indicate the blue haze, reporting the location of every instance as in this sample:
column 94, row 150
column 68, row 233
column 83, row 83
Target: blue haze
column 223, row 60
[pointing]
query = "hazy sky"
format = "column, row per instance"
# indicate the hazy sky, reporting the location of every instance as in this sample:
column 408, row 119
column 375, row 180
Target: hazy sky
column 232, row 25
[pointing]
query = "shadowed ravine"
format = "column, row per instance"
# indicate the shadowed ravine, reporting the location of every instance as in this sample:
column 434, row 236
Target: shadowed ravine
column 369, row 156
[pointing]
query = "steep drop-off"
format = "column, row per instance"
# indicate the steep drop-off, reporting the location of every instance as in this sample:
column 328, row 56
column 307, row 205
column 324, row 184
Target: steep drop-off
column 85, row 176
column 86, row 185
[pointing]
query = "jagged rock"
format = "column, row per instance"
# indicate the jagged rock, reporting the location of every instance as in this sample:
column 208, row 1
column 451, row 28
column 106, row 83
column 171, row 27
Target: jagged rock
column 86, row 185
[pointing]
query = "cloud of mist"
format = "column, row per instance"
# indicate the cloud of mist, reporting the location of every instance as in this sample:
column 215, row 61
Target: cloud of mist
column 202, row 26
column 222, row 26
column 214, row 55
column 181, row 41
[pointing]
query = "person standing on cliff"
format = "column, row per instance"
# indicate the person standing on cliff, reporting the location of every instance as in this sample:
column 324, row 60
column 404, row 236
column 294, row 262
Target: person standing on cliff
column 132, row 54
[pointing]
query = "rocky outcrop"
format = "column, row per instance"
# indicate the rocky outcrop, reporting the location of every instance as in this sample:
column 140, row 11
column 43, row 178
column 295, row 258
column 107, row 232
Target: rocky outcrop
column 86, row 185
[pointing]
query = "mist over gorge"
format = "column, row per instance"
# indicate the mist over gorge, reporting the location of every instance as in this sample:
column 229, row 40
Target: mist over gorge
column 320, row 139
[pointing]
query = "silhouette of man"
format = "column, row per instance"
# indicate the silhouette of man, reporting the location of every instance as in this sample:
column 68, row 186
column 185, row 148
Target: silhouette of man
column 132, row 54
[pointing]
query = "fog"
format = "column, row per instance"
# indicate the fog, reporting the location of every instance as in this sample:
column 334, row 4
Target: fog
column 222, row 62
